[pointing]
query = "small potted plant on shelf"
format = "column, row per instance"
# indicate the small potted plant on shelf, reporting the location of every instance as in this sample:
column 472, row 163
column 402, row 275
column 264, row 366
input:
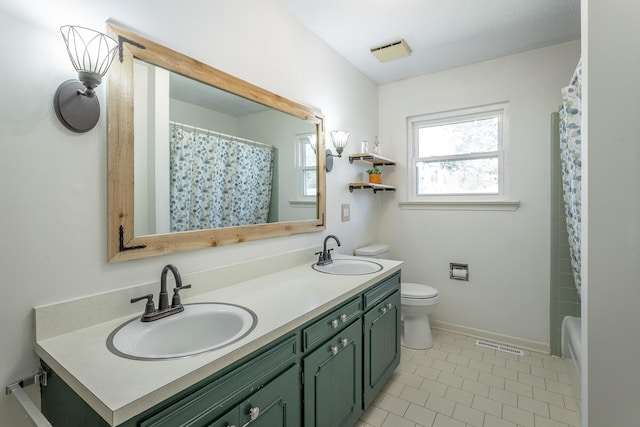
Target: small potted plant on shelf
column 375, row 175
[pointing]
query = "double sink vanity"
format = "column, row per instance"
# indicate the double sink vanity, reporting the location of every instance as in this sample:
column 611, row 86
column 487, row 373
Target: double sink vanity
column 292, row 344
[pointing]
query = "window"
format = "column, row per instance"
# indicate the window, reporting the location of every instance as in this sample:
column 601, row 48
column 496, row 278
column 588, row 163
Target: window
column 458, row 153
column 306, row 162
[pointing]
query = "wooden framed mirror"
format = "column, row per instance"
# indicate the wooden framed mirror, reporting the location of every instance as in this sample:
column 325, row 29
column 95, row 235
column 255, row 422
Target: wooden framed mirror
column 161, row 102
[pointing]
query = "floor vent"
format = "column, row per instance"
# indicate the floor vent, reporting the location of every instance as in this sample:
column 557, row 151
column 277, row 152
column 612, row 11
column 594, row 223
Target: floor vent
column 500, row 347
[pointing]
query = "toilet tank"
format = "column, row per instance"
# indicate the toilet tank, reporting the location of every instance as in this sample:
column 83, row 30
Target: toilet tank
column 373, row 251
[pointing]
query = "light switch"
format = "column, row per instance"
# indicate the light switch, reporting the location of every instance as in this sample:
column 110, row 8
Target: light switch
column 345, row 212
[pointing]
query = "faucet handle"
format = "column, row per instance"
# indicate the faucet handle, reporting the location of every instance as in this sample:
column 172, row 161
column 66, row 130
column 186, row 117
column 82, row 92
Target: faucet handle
column 320, row 257
column 175, row 301
column 150, row 308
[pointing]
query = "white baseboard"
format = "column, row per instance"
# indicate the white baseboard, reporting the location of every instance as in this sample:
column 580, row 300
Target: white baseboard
column 523, row 344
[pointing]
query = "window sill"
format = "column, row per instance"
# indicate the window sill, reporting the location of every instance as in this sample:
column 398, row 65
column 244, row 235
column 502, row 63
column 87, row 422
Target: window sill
column 498, row 205
column 302, row 203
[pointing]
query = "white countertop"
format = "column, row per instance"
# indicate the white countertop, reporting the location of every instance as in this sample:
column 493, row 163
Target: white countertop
column 118, row 388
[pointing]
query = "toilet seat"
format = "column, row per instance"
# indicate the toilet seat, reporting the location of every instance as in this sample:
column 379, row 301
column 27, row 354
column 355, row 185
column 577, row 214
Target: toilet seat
column 417, row 291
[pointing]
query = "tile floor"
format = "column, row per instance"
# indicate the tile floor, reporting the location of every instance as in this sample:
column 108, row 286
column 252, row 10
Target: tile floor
column 456, row 383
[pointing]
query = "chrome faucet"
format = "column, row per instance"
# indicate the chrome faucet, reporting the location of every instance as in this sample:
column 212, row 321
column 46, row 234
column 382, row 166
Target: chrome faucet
column 324, row 257
column 164, row 310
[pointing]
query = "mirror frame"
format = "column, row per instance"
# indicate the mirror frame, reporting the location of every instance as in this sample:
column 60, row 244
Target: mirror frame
column 122, row 243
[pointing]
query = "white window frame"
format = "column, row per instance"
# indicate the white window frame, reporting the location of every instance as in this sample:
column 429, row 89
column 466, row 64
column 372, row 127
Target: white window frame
column 492, row 201
column 301, row 141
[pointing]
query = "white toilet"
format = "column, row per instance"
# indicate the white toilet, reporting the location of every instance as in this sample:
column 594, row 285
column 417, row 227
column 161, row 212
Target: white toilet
column 417, row 301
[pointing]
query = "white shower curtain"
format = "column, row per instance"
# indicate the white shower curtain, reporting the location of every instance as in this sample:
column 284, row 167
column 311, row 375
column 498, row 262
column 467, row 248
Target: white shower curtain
column 571, row 163
column 217, row 181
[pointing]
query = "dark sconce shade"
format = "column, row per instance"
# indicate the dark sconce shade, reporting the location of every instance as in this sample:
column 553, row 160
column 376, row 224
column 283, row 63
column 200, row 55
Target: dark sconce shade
column 340, row 138
column 91, row 54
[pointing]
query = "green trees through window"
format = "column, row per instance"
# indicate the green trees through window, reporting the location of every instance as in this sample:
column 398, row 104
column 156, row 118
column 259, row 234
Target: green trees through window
column 458, row 153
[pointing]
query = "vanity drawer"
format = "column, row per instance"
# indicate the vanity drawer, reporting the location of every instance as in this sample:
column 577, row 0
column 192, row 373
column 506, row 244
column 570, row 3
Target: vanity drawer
column 215, row 398
column 380, row 292
column 331, row 323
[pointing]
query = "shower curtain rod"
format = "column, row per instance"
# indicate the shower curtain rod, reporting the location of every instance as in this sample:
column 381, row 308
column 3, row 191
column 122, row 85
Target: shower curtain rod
column 213, row 132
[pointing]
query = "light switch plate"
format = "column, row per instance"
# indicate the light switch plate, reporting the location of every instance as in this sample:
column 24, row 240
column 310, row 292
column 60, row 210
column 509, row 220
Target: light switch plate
column 345, row 212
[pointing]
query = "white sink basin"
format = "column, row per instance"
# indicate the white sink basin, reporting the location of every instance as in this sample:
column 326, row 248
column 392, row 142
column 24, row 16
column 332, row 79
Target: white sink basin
column 199, row 328
column 348, row 267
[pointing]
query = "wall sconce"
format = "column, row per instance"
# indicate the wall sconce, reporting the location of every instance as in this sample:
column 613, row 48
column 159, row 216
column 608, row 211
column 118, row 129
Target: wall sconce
column 339, row 139
column 91, row 54
column 313, row 141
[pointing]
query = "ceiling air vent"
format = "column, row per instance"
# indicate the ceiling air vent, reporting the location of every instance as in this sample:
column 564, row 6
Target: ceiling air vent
column 392, row 51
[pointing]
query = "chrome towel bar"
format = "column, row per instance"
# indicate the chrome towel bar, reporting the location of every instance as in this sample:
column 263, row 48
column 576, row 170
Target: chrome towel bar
column 32, row 410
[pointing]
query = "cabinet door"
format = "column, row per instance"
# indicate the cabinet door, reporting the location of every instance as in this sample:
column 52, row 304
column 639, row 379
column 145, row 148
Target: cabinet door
column 381, row 345
column 333, row 380
column 277, row 404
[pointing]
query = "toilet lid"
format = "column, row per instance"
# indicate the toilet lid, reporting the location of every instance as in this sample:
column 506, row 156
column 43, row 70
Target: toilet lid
column 414, row 290
column 372, row 250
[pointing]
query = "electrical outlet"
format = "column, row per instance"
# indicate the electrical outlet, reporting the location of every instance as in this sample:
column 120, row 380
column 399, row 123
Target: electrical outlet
column 345, row 212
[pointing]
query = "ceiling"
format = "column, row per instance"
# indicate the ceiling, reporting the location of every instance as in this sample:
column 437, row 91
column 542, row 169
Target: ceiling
column 442, row 34
column 191, row 91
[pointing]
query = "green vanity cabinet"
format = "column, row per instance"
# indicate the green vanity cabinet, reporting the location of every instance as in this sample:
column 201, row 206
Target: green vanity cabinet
column 332, row 380
column 381, row 345
column 63, row 407
column 277, row 404
column 345, row 373
column 381, row 336
column 264, row 372
column 323, row 373
column 273, row 369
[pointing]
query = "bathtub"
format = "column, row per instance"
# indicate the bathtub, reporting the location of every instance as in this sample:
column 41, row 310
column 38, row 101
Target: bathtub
column 572, row 354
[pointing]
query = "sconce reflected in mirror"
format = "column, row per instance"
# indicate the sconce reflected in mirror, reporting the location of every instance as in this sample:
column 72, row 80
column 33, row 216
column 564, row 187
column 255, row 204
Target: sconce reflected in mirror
column 313, row 142
column 91, row 54
column 340, row 138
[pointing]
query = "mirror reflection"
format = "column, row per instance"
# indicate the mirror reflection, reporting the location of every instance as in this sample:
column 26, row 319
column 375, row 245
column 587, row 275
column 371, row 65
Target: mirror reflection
column 206, row 158
column 199, row 158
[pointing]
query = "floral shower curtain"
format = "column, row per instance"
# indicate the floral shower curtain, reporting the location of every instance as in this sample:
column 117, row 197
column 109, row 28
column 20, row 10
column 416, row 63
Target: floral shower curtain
column 571, row 164
column 217, row 181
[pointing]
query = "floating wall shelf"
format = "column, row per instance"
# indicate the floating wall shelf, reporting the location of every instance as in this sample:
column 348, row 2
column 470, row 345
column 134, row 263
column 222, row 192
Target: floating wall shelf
column 376, row 159
column 375, row 187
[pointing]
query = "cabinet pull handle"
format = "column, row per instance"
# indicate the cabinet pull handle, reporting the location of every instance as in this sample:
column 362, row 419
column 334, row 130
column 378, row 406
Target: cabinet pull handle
column 343, row 317
column 383, row 310
column 334, row 350
column 345, row 342
column 389, row 306
column 253, row 413
column 334, row 323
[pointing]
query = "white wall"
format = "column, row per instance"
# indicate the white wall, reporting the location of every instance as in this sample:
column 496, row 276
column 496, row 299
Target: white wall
column 612, row 145
column 53, row 183
column 205, row 118
column 507, row 252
